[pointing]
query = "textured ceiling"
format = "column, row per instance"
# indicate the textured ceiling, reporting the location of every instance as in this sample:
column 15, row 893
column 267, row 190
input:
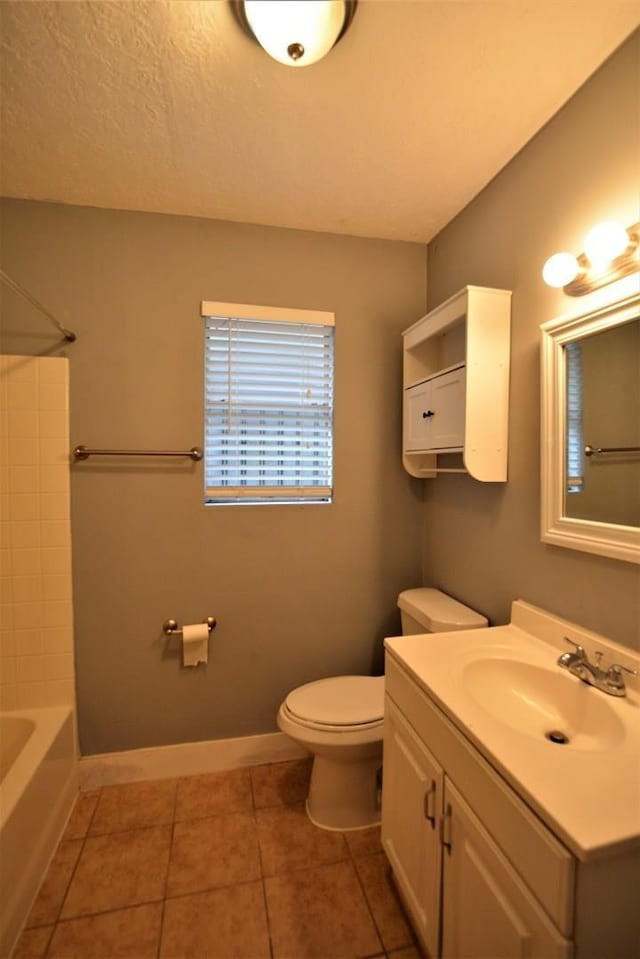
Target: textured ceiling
column 168, row 107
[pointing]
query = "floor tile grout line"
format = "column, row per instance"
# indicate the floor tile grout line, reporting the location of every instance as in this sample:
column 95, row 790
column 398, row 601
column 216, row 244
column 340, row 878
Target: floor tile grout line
column 119, row 786
column 166, row 878
column 83, row 840
column 106, row 912
column 208, row 889
column 68, row 886
column 369, row 907
column 262, row 876
column 251, row 787
column 95, row 915
column 49, row 940
column 267, row 917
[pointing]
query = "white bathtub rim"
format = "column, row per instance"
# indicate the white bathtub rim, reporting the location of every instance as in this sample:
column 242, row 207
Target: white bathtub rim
column 185, row 759
column 30, row 834
column 48, row 722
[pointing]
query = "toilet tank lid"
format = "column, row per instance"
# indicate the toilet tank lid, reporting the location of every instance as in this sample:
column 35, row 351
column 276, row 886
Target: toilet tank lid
column 438, row 612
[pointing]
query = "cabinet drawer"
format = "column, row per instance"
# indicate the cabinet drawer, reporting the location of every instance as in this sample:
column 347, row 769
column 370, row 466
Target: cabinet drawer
column 544, row 864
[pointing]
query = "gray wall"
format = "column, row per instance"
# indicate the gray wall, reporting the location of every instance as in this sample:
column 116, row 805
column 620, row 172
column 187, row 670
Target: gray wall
column 482, row 542
column 300, row 592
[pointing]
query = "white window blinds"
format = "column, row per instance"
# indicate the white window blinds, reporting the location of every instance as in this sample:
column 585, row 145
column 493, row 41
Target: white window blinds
column 575, row 441
column 268, row 404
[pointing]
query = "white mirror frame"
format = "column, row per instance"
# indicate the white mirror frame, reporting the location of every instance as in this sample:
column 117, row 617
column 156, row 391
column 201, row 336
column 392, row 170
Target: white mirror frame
column 605, row 539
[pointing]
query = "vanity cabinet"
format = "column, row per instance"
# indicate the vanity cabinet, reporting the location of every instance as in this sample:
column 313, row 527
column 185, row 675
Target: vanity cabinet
column 456, row 385
column 463, row 895
column 481, row 874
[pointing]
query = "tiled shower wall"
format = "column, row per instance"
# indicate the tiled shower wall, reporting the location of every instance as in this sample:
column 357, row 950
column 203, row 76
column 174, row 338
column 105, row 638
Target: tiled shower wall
column 36, row 617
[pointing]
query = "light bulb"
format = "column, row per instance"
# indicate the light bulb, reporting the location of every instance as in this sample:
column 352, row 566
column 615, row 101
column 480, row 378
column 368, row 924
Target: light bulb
column 296, row 32
column 560, row 269
column 604, row 243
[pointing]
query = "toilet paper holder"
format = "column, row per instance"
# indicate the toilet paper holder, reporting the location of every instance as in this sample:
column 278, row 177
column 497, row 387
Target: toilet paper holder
column 171, row 628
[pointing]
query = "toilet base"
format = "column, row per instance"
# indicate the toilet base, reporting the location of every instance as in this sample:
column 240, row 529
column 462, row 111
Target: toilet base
column 345, row 795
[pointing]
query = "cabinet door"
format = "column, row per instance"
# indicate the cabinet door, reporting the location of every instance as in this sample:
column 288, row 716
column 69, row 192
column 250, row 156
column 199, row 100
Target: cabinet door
column 447, row 403
column 488, row 912
column 434, row 413
column 418, row 416
column 412, row 793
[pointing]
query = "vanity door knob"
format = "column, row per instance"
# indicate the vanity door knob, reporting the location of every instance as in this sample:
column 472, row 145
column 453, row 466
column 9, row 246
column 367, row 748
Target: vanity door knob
column 430, row 804
column 427, row 414
column 445, row 828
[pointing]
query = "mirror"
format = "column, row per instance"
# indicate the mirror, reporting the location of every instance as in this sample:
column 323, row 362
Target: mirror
column 591, row 430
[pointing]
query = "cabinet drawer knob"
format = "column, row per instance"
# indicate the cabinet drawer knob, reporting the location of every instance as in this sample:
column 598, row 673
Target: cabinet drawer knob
column 427, row 414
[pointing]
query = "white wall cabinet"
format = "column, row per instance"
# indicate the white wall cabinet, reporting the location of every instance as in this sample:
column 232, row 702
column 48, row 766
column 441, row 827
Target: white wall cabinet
column 480, row 874
column 456, row 385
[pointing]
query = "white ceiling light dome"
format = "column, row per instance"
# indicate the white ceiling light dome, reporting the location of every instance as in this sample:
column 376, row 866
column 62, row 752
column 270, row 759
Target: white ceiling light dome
column 296, row 32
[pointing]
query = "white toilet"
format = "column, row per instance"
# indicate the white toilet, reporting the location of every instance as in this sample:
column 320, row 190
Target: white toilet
column 340, row 720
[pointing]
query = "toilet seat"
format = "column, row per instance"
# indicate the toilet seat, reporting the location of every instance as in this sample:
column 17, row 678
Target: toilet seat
column 339, row 703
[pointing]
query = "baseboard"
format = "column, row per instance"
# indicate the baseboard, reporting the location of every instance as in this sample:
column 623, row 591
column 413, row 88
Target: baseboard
column 185, row 759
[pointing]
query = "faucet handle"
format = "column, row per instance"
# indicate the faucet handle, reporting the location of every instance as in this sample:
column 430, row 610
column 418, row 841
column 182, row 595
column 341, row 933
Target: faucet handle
column 614, row 680
column 616, row 669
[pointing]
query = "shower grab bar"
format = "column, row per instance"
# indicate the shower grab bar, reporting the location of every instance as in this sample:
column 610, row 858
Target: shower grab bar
column 594, row 450
column 69, row 335
column 83, row 453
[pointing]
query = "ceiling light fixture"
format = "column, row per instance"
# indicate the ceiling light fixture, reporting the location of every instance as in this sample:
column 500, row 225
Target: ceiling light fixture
column 295, row 32
column 610, row 252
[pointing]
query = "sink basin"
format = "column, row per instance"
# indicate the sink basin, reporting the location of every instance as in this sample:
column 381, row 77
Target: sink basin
column 541, row 702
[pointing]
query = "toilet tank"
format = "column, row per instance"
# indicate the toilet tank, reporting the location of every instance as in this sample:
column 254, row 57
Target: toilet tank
column 427, row 610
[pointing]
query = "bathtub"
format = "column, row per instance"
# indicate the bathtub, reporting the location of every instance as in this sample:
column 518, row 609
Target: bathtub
column 38, row 787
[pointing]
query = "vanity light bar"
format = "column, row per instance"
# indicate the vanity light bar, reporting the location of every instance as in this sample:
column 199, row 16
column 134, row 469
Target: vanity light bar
column 611, row 252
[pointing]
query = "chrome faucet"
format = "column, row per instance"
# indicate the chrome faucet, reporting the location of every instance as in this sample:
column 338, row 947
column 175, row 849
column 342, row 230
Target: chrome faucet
column 610, row 681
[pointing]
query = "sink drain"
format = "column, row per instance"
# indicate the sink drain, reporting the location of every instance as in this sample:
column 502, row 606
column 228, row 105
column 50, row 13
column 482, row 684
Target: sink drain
column 555, row 736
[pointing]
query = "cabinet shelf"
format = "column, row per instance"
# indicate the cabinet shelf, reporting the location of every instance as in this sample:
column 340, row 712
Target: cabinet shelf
column 432, row 376
column 456, row 385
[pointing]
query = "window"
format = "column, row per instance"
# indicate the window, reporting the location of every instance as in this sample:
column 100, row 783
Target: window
column 268, row 404
column 573, row 354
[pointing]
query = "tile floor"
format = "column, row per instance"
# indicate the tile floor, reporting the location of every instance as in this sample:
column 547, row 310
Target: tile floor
column 214, row 866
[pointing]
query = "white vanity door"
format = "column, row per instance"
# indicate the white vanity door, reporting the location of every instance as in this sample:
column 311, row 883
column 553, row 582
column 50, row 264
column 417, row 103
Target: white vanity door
column 488, row 912
column 412, row 793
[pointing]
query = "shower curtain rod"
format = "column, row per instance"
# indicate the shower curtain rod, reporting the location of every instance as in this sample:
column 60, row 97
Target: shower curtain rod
column 69, row 336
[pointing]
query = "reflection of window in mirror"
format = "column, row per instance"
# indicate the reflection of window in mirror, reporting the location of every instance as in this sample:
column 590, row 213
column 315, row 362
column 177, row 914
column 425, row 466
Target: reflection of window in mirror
column 603, row 373
column 575, row 440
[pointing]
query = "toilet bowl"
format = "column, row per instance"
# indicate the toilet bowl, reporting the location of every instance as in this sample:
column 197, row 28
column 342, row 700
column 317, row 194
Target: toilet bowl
column 340, row 721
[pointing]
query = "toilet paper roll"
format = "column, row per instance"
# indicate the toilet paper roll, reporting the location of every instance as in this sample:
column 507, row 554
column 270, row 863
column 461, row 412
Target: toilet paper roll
column 195, row 644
